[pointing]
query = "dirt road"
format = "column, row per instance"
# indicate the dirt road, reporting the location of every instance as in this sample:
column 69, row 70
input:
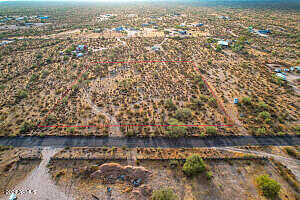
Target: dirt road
column 161, row 142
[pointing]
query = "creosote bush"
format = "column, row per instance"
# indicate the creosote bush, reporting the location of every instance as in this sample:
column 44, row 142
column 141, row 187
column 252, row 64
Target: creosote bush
column 269, row 187
column 164, row 194
column 264, row 115
column 176, row 131
column 193, row 165
column 246, row 100
column 210, row 130
column 183, row 114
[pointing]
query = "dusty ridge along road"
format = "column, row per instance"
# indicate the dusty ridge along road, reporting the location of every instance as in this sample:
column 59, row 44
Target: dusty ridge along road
column 161, row 142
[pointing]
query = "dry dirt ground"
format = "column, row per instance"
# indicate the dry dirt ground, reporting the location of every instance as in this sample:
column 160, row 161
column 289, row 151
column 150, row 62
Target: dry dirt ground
column 15, row 165
column 232, row 180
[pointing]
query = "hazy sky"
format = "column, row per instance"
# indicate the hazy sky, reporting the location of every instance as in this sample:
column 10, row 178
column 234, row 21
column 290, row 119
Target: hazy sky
column 85, row 0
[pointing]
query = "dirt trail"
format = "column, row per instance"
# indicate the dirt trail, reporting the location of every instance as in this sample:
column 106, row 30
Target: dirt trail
column 40, row 181
column 290, row 163
column 123, row 42
column 115, row 128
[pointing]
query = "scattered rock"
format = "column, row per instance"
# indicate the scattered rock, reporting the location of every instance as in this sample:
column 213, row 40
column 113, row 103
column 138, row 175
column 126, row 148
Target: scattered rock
column 141, row 193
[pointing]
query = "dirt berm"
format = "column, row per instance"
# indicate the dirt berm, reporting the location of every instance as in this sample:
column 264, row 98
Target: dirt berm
column 115, row 170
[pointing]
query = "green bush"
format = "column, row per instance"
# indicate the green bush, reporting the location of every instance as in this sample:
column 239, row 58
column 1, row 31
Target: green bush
column 176, row 131
column 269, row 187
column 209, row 175
column 212, row 102
column 193, row 165
column 164, row 194
column 264, row 115
column 170, row 105
column 183, row 114
column 246, row 100
column 262, row 105
column 261, row 131
column 22, row 94
column 34, row 77
column 218, row 48
column 25, row 127
column 210, row 130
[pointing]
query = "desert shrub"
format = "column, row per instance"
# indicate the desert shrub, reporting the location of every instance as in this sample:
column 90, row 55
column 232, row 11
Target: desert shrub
column 296, row 128
column 45, row 73
column 25, row 127
column 210, row 130
column 212, row 102
column 218, row 48
column 196, row 103
column 209, row 175
column 170, row 105
column 203, row 97
column 51, row 119
column 261, row 131
column 183, row 114
column 193, row 165
column 173, row 163
column 238, row 46
column 246, row 100
column 34, row 77
column 22, row 94
column 269, row 187
column 281, row 133
column 264, row 115
column 71, row 130
column 262, row 105
column 292, row 152
column 4, row 148
column 38, row 56
column 164, row 194
column 277, row 80
column 176, row 131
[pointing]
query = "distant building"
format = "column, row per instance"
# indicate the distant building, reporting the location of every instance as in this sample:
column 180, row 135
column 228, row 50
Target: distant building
column 182, row 32
column 235, row 101
column 79, row 55
column 19, row 18
column 13, row 196
column 264, row 31
column 5, row 42
column 223, row 17
column 81, row 48
column 119, row 29
column 155, row 48
column 198, row 25
column 98, row 30
column 28, row 24
column 280, row 75
column 44, row 17
column 223, row 43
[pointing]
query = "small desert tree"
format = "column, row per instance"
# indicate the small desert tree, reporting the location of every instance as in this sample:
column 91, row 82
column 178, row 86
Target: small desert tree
column 269, row 187
column 193, row 165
